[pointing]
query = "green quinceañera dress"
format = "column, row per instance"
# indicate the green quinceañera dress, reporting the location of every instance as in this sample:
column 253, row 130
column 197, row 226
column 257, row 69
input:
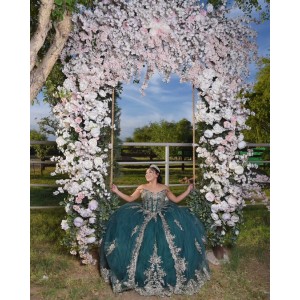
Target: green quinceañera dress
column 155, row 247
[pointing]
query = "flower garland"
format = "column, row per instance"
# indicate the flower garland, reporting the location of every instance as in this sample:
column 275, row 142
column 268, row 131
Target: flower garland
column 113, row 43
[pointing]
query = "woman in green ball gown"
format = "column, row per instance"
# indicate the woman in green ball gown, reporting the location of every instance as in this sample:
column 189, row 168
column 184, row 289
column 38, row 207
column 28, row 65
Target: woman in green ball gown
column 155, row 247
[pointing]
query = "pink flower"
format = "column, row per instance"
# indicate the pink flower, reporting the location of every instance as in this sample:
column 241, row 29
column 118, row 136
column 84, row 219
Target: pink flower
column 78, row 120
column 227, row 124
column 79, row 198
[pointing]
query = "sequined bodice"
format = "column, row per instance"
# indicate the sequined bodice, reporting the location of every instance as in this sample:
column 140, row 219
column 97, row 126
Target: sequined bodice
column 154, row 201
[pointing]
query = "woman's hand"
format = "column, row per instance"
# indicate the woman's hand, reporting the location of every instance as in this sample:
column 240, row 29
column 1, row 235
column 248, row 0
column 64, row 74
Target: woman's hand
column 190, row 187
column 114, row 188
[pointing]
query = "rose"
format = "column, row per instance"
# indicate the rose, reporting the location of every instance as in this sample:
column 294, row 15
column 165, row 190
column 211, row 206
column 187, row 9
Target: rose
column 224, row 206
column 232, row 201
column 90, row 240
column 232, row 164
column 93, row 204
column 64, row 225
column 60, row 141
column 92, row 220
column 242, row 144
column 214, row 216
column 208, row 133
column 226, row 216
column 235, row 218
column 230, row 223
column 218, row 222
column 210, row 196
column 215, row 208
column 239, row 170
column 78, row 222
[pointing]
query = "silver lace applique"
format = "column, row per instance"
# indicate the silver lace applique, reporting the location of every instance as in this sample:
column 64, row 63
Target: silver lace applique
column 131, row 268
column 117, row 287
column 178, row 224
column 111, row 247
column 179, row 263
column 105, row 274
column 154, row 275
column 135, row 229
column 198, row 247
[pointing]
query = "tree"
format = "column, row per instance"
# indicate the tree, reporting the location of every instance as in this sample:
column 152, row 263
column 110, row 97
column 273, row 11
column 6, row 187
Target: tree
column 50, row 26
column 164, row 131
column 40, row 150
column 259, row 103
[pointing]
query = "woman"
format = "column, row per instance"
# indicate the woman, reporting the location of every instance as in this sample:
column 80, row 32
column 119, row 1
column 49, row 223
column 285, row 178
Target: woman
column 154, row 247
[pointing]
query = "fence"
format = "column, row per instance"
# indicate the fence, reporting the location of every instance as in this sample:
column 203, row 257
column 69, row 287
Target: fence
column 167, row 162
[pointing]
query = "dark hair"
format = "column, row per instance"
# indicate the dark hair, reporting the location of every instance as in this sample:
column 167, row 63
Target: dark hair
column 159, row 178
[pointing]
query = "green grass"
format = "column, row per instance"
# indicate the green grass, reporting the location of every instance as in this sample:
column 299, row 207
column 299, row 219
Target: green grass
column 43, row 196
column 56, row 274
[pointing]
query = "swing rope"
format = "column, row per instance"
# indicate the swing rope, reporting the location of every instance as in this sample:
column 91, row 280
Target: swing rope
column 194, row 137
column 112, row 137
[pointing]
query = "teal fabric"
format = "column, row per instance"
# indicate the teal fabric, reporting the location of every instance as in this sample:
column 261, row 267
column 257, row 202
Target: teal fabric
column 155, row 247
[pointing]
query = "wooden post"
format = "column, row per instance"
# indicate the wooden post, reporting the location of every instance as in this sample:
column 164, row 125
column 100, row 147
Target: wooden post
column 194, row 138
column 112, row 137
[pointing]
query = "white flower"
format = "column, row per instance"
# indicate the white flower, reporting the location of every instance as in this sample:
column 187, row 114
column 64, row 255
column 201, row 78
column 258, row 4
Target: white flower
column 232, row 164
column 215, row 208
column 102, row 93
column 209, row 8
column 239, row 170
column 242, row 144
column 232, row 201
column 64, row 225
column 87, row 164
column 95, row 132
column 214, row 216
column 223, row 232
column 93, row 204
column 60, row 141
column 92, row 220
column 78, row 222
column 237, row 232
column 74, row 189
column 235, row 218
column 218, row 222
column 91, row 240
column 210, row 196
column 226, row 216
column 98, row 161
column 230, row 223
column 224, row 206
column 208, row 133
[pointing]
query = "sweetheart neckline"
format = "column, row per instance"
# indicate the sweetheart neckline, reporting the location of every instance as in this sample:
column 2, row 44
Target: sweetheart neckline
column 154, row 192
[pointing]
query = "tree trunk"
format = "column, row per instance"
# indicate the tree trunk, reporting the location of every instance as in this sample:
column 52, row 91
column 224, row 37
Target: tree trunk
column 44, row 24
column 39, row 75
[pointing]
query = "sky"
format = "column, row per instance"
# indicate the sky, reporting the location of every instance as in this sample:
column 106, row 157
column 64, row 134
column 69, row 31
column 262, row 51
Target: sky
column 170, row 101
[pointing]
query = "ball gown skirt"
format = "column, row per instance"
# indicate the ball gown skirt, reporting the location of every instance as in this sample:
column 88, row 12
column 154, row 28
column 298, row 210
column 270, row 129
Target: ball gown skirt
column 154, row 247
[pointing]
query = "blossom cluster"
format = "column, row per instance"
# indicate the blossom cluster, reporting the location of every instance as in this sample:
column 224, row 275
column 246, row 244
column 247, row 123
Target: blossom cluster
column 113, row 43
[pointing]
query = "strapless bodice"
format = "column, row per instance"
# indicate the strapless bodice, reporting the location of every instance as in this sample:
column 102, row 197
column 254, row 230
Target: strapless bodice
column 154, row 201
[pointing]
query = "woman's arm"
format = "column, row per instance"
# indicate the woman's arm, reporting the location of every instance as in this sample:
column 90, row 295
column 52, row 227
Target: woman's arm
column 177, row 199
column 135, row 195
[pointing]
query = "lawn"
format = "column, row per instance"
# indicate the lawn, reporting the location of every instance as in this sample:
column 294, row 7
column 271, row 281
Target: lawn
column 55, row 274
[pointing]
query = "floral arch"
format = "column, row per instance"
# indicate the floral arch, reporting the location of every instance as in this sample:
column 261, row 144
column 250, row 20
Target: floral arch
column 111, row 44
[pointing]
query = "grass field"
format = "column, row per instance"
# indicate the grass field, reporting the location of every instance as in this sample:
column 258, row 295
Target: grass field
column 55, row 274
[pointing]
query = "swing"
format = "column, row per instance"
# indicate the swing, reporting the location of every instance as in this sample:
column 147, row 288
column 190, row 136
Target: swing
column 112, row 136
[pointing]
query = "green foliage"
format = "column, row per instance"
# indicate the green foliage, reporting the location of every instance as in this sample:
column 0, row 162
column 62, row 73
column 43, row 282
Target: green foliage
column 40, row 150
column 259, row 102
column 164, row 131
